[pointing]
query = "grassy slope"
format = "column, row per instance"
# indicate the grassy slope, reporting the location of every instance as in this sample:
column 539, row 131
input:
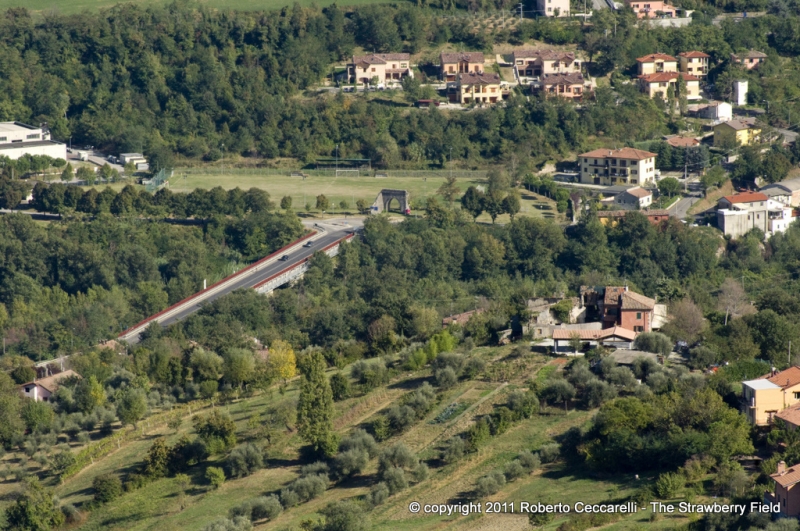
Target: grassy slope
column 157, row 505
column 77, row 6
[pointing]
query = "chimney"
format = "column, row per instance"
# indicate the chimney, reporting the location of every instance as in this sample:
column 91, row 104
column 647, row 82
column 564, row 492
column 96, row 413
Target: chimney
column 781, row 467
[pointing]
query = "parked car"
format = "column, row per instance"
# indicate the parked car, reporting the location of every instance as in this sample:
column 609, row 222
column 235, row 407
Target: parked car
column 285, row 258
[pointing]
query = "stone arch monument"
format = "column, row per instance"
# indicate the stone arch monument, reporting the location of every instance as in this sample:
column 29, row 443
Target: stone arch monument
column 385, row 197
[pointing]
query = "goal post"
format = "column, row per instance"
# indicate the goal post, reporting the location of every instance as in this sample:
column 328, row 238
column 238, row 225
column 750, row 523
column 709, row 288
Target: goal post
column 348, row 173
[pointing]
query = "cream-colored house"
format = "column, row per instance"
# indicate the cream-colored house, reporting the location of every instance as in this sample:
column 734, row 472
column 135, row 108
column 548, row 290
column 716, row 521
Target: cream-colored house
column 658, row 84
column 694, row 63
column 452, row 64
column 535, row 63
column 380, row 67
column 553, row 8
column 479, row 88
column 655, row 63
column 765, row 397
column 570, row 86
column 43, row 388
column 618, row 166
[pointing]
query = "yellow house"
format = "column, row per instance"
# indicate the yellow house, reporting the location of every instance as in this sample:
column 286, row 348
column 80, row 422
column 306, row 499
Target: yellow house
column 765, row 397
column 741, row 132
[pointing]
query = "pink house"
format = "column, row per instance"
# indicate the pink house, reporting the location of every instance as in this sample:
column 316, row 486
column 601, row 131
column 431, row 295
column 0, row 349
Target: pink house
column 645, row 9
column 749, row 60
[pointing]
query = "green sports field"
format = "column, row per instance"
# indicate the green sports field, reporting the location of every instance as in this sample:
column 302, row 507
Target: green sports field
column 77, row 6
column 347, row 188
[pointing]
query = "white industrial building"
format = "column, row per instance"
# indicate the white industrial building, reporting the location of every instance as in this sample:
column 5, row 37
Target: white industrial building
column 18, row 139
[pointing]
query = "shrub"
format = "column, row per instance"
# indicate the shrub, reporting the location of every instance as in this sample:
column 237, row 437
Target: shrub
column 378, row 494
column 62, row 461
column 621, row 377
column 400, row 417
column 240, row 523
column 415, row 360
column 71, row 513
column 500, row 420
column 134, row 482
column 399, row 456
column 317, row 468
column 244, row 460
column 453, row 360
column 308, row 487
column 478, row 434
column 340, row 386
column 453, row 450
column 344, row 516
column 421, row 472
column 37, row 415
column 185, row 453
column 597, row 393
column 217, row 430
column 359, row 440
column 107, row 487
column 669, row 484
column 155, row 464
column 215, row 476
column 473, row 367
column 395, row 479
column 370, row 373
column 653, row 342
column 265, row 508
column 513, row 470
column 289, row 498
column 549, row 452
column 529, row 461
column 445, row 378
column 350, row 462
column 381, row 428
column 523, row 404
column 489, row 484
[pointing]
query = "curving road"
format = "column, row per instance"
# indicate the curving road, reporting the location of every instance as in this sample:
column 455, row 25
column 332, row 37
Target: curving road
column 328, row 233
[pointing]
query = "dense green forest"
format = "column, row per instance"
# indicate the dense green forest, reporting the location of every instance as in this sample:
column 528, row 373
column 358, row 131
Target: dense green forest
column 190, row 80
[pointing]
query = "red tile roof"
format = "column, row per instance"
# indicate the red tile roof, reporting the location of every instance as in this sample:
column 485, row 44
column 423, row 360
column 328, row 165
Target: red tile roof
column 636, row 301
column 380, row 58
column 470, row 57
column 573, row 78
column 790, row 415
column 638, row 191
column 788, row 478
column 617, row 331
column 656, row 57
column 624, row 153
column 745, row 197
column 51, row 382
column 479, row 79
column 661, row 77
column 682, row 141
column 612, row 294
column 788, row 378
column 693, row 54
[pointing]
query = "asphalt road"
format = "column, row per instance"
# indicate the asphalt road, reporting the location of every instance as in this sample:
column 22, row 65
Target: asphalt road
column 681, row 209
column 333, row 233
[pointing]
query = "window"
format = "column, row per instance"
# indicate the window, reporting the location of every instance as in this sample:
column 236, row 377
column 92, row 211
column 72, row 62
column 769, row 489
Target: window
column 638, row 315
column 403, row 65
column 394, row 65
column 638, row 329
column 34, row 136
column 796, row 395
column 634, row 172
column 373, row 69
column 3, row 139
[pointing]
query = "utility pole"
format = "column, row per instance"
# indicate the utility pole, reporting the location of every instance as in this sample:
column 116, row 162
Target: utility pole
column 223, row 158
column 337, row 161
column 520, row 11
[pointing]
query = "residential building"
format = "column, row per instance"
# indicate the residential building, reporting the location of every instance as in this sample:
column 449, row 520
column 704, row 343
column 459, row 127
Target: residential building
column 618, row 166
column 682, row 142
column 571, row 86
column 790, row 416
column 383, row 67
column 553, row 8
column 786, row 192
column 635, row 198
column 42, row 389
column 617, row 306
column 763, row 398
column 750, row 59
column 738, row 132
column 610, row 218
column 479, row 88
column 18, row 139
column 616, row 337
column 659, row 83
column 452, row 64
column 461, row 318
column 656, row 63
column 739, row 214
column 535, row 63
column 786, row 490
column 652, row 9
column 719, row 111
column 694, row 63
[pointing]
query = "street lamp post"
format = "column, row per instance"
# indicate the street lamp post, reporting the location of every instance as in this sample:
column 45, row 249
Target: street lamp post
column 222, row 150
